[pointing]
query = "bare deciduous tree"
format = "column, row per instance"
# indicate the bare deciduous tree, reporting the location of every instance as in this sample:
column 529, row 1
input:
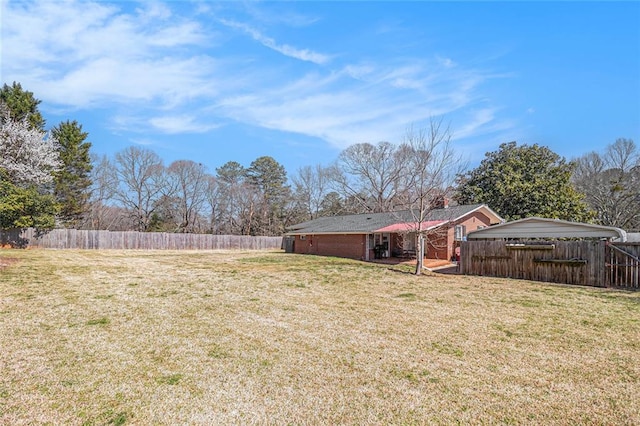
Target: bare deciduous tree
column 371, row 173
column 431, row 165
column 311, row 186
column 611, row 184
column 212, row 198
column 248, row 203
column 141, row 182
column 188, row 183
column 103, row 184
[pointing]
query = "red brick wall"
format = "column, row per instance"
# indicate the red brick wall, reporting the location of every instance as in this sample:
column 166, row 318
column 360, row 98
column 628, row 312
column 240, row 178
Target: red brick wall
column 472, row 222
column 437, row 246
column 350, row 246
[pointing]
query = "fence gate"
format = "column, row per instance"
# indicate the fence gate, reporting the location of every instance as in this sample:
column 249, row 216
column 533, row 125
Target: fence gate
column 623, row 265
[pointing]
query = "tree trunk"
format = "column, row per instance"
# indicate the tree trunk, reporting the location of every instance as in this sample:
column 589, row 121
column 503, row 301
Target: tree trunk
column 419, row 254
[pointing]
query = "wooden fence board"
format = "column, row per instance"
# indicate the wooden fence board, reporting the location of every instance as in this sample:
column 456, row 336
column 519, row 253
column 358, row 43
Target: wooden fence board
column 569, row 262
column 106, row 240
column 623, row 265
column 583, row 262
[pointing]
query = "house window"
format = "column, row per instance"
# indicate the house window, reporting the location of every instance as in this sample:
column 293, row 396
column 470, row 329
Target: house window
column 460, row 232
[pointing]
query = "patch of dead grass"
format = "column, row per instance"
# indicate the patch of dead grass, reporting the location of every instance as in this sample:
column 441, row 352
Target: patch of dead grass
column 6, row 262
column 135, row 337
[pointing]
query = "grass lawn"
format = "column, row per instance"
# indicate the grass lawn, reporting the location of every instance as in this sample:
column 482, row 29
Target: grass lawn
column 139, row 337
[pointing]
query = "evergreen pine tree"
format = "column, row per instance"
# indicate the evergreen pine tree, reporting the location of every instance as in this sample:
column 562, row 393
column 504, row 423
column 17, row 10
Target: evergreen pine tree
column 73, row 181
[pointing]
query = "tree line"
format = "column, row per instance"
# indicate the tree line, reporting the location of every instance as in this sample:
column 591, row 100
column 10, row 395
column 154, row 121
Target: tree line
column 51, row 179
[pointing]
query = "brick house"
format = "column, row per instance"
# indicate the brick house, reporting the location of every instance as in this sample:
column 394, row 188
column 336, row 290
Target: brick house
column 371, row 235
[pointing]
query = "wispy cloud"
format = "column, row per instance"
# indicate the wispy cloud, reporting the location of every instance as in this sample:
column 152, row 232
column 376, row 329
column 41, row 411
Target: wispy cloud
column 181, row 124
column 142, row 142
column 364, row 103
column 153, row 70
column 481, row 121
column 278, row 13
column 285, row 49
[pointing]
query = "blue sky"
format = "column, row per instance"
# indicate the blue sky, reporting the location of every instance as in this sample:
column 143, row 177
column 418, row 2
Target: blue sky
column 300, row 81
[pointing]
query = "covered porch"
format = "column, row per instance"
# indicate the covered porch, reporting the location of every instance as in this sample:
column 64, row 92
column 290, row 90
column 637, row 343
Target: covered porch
column 398, row 242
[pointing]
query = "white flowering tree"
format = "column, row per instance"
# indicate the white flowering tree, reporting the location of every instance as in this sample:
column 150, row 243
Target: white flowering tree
column 28, row 157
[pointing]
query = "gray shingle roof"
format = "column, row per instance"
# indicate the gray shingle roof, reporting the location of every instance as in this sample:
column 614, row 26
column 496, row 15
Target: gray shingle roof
column 369, row 222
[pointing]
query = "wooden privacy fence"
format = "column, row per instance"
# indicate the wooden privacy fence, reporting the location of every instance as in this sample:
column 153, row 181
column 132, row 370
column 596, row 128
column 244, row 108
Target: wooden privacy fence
column 584, row 262
column 103, row 240
column 623, row 265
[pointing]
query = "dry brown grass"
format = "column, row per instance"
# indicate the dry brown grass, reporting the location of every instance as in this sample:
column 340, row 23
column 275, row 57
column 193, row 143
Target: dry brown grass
column 115, row 337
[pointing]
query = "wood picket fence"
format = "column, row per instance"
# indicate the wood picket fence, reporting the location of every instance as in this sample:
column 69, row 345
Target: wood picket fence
column 132, row 240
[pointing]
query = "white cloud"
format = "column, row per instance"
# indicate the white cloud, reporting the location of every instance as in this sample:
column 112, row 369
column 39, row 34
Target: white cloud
column 446, row 62
column 142, row 142
column 182, row 34
column 87, row 53
column 479, row 119
column 285, row 49
column 151, row 69
column 181, row 124
column 359, row 72
column 276, row 15
column 157, row 82
column 154, row 10
column 373, row 106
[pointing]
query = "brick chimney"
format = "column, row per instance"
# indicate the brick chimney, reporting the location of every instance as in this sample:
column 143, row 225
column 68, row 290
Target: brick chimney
column 440, row 202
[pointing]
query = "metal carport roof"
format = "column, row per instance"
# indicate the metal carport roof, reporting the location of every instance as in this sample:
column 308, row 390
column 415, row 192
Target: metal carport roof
column 538, row 227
